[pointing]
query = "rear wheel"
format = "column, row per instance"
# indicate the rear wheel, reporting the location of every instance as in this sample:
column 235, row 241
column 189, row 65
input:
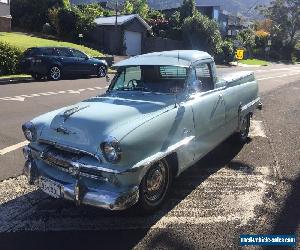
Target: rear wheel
column 242, row 135
column 102, row 71
column 55, row 73
column 155, row 186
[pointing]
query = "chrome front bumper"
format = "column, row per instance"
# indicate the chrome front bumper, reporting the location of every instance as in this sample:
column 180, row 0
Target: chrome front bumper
column 79, row 191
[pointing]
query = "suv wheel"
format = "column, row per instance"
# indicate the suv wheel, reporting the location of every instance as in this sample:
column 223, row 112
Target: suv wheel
column 55, row 73
column 102, row 71
column 155, row 186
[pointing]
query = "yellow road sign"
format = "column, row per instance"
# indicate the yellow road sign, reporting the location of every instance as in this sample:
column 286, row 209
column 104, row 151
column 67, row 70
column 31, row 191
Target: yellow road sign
column 239, row 54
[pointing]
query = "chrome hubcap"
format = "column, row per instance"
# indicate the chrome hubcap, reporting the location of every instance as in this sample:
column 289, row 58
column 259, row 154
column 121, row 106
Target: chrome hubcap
column 55, row 73
column 156, row 182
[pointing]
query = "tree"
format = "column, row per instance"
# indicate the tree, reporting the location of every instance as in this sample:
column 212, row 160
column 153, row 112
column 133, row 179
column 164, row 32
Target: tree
column 32, row 14
column 136, row 7
column 203, row 33
column 285, row 16
column 247, row 38
column 127, row 8
column 188, row 9
column 69, row 22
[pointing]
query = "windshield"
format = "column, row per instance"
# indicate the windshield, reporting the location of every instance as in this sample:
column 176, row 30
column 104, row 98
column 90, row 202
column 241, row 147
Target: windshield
column 162, row 79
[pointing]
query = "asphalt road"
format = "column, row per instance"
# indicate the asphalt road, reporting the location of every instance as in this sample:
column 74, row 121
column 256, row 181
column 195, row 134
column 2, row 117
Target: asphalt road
column 234, row 190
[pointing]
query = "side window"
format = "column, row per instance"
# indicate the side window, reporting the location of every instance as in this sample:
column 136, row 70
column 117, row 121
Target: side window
column 204, row 74
column 77, row 53
column 65, row 52
column 48, row 52
column 192, row 81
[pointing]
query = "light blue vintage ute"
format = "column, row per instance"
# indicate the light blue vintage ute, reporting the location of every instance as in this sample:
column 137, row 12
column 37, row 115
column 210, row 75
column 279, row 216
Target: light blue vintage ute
column 161, row 114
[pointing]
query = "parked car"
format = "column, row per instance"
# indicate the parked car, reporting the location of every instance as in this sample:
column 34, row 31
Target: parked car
column 161, row 114
column 56, row 62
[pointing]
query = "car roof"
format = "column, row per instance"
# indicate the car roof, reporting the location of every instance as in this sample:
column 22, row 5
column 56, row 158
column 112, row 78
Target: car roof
column 52, row 47
column 181, row 58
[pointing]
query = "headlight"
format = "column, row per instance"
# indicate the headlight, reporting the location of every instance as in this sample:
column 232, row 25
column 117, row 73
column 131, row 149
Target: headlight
column 29, row 131
column 111, row 150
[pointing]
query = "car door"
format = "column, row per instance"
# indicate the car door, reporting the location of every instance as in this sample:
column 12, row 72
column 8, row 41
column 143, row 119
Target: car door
column 67, row 60
column 208, row 109
column 83, row 63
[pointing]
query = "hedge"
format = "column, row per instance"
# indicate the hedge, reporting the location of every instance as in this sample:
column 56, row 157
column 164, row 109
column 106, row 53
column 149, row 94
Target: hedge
column 9, row 59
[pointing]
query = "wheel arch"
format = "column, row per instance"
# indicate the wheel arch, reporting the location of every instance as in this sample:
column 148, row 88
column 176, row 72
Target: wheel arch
column 172, row 159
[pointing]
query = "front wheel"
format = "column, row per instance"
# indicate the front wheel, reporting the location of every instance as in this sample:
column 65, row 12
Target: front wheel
column 242, row 135
column 155, row 186
column 102, row 71
column 55, row 73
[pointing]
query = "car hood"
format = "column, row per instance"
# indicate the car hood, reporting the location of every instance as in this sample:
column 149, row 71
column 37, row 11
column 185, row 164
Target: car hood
column 88, row 123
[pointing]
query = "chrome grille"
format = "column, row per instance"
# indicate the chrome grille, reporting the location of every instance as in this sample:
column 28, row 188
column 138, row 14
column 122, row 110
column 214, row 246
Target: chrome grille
column 68, row 149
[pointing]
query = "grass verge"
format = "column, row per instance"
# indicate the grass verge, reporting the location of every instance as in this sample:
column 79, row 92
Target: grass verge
column 14, row 76
column 254, row 62
column 24, row 41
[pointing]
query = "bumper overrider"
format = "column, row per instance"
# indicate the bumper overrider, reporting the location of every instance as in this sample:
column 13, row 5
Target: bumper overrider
column 68, row 179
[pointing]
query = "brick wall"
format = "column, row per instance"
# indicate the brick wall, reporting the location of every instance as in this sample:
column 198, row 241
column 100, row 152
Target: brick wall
column 5, row 24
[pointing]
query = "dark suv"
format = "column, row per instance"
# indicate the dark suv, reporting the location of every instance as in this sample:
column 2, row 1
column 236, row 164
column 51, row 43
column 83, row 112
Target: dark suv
column 55, row 62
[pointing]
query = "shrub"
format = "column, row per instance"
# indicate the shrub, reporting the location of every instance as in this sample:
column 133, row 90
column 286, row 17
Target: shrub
column 203, row 33
column 69, row 22
column 9, row 59
column 228, row 51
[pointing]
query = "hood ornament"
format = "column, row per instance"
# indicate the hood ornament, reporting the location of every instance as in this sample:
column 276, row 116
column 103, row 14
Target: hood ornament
column 72, row 111
column 64, row 130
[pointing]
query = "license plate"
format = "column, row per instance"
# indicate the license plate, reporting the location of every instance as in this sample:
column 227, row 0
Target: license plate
column 50, row 187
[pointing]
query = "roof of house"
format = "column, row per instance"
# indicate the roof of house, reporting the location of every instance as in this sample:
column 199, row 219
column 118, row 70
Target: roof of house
column 182, row 58
column 121, row 20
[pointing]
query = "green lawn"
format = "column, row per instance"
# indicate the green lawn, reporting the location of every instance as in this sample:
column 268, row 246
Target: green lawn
column 254, row 62
column 25, row 41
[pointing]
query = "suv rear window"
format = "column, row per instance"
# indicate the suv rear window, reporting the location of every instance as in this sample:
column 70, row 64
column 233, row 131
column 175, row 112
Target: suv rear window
column 31, row 52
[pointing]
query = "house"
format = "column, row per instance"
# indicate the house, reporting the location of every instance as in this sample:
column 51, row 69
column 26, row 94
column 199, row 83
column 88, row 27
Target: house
column 235, row 23
column 5, row 17
column 209, row 8
column 122, row 35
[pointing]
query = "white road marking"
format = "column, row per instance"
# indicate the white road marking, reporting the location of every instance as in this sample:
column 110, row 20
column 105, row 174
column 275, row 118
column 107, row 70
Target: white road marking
column 281, row 69
column 257, row 129
column 22, row 98
column 281, row 76
column 13, row 147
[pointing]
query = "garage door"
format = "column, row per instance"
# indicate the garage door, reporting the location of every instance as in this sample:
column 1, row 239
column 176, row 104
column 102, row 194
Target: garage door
column 133, row 42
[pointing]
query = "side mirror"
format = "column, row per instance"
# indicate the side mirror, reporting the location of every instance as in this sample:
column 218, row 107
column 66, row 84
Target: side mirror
column 195, row 86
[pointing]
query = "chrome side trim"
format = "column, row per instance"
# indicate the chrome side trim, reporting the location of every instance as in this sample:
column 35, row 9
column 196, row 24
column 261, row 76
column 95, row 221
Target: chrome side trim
column 250, row 104
column 160, row 155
